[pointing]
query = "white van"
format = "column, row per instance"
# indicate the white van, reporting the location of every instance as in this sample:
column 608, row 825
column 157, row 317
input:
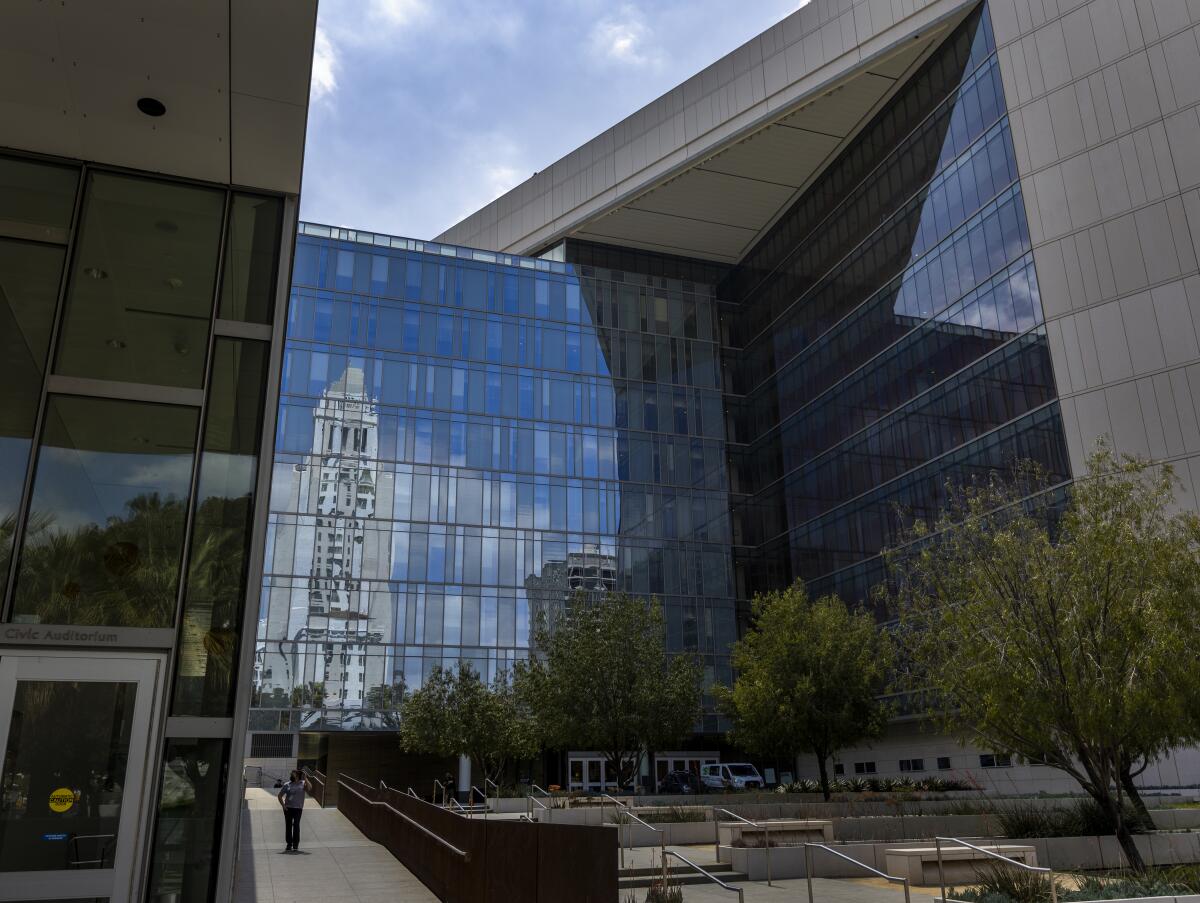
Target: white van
column 732, row 776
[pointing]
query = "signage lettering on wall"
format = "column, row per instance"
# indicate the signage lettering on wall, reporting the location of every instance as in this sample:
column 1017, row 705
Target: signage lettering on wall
column 32, row 633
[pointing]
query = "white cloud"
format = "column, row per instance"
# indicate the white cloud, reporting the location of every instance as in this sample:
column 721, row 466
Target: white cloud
column 624, row 38
column 396, row 13
column 324, row 66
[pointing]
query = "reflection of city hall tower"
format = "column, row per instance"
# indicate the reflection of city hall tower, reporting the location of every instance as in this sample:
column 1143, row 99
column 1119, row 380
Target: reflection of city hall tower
column 337, row 487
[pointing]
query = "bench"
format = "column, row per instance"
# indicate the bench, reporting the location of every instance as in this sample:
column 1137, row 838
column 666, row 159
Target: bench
column 961, row 864
column 784, row 832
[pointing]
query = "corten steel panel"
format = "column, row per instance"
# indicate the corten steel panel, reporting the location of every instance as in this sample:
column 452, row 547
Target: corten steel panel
column 577, row 863
column 510, row 861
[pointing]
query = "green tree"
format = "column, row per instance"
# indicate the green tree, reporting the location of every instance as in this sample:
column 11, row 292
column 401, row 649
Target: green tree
column 456, row 713
column 1062, row 629
column 603, row 680
column 809, row 674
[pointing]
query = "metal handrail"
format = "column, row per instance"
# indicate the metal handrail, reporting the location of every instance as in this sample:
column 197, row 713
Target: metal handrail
column 456, row 804
column 766, row 828
column 438, row 785
column 462, row 854
column 412, row 793
column 530, row 801
column 708, row 875
column 471, row 798
column 1049, row 872
column 891, row 879
column 544, row 791
column 627, row 811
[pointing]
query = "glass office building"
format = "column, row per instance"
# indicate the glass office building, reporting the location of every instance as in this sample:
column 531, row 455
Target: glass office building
column 464, row 439
column 467, row 437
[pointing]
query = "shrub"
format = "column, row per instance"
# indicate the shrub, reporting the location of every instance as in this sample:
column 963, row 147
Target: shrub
column 664, row 893
column 1082, row 819
column 673, row 815
column 998, row 883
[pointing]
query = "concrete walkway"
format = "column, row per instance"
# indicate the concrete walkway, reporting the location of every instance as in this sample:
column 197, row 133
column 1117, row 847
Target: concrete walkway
column 336, row 863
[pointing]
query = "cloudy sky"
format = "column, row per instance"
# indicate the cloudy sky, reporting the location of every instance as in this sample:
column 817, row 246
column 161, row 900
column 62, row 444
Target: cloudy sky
column 425, row 110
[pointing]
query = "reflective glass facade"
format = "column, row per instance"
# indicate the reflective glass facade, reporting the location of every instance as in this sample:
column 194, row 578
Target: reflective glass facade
column 466, row 438
column 887, row 335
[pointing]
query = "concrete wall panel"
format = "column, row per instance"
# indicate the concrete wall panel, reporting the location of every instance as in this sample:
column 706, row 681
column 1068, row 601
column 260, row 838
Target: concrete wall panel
column 1105, row 101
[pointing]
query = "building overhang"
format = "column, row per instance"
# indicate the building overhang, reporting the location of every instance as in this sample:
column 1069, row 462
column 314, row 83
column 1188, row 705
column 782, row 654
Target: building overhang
column 707, row 169
column 233, row 77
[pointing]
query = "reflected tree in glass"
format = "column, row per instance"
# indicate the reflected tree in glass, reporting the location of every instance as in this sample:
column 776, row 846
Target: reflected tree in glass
column 105, row 533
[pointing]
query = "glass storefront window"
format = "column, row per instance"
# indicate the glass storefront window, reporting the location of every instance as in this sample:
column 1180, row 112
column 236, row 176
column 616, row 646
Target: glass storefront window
column 60, row 802
column 216, row 583
column 106, row 521
column 29, row 280
column 251, row 258
column 36, row 199
column 183, row 867
column 140, row 297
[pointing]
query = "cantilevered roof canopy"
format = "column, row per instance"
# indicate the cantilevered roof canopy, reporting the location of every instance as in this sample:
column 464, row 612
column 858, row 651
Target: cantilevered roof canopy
column 704, row 170
column 233, row 78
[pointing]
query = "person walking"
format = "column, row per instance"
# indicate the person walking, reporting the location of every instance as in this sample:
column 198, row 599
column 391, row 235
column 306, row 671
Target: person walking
column 291, row 798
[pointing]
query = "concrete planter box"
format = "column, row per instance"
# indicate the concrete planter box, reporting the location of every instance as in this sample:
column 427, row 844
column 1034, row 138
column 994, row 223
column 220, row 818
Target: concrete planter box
column 882, row 828
column 1176, row 819
column 674, row 834
column 788, row 862
column 782, row 831
column 959, row 865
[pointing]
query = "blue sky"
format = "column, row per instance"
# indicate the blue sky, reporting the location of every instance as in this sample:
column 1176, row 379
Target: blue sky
column 425, row 110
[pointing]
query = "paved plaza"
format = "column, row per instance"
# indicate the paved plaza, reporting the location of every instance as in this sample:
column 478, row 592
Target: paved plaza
column 336, row 863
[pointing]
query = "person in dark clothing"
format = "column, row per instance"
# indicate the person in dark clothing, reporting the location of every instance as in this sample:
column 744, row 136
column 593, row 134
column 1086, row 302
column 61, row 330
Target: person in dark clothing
column 291, row 798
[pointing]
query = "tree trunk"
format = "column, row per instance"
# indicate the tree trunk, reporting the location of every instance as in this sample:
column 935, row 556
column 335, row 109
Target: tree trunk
column 1135, row 799
column 1111, row 805
column 823, row 770
column 1130, row 848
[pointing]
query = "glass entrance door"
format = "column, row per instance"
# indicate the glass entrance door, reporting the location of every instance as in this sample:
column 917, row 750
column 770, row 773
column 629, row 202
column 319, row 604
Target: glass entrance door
column 74, row 730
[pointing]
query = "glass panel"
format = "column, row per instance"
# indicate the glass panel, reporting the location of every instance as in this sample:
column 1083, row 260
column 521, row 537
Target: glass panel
column 251, row 259
column 106, row 521
column 60, row 799
column 36, row 199
column 141, row 291
column 189, row 821
column 29, row 279
column 221, row 537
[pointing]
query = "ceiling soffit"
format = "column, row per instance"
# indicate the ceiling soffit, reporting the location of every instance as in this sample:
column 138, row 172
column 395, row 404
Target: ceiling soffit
column 720, row 207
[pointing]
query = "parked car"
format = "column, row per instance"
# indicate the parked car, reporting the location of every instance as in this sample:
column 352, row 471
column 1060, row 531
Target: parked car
column 731, row 776
column 679, row 782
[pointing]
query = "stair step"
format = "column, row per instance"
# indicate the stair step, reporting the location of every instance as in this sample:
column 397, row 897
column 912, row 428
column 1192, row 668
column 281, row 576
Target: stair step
column 717, row 868
column 640, row 881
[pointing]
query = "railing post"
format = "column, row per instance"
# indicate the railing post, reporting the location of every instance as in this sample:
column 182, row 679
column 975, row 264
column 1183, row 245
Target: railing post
column 1053, row 889
column 767, row 829
column 808, row 871
column 941, row 870
column 907, row 898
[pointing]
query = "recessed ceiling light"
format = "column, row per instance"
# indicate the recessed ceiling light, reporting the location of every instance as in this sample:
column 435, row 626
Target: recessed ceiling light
column 95, row 273
column 151, row 106
column 165, row 225
column 115, row 343
column 181, row 349
column 174, row 282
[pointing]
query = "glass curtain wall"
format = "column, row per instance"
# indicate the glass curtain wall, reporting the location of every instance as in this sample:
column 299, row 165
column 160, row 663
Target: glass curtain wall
column 465, row 439
column 130, row 429
column 886, row 336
